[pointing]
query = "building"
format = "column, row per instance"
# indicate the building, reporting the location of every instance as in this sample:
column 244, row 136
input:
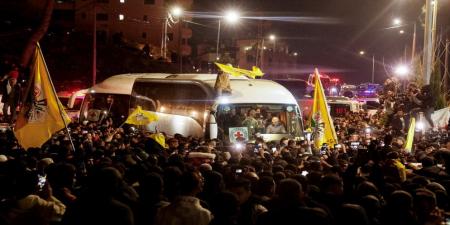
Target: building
column 136, row 22
column 273, row 57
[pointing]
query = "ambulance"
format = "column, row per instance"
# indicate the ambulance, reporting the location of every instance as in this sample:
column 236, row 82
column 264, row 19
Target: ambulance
column 187, row 104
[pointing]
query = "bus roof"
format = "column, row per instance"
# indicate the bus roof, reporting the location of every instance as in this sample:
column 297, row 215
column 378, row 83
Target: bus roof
column 244, row 90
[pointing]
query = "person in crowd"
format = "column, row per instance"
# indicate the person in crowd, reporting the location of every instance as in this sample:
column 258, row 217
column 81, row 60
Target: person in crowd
column 34, row 203
column 186, row 208
column 250, row 208
column 11, row 96
column 98, row 204
column 276, row 127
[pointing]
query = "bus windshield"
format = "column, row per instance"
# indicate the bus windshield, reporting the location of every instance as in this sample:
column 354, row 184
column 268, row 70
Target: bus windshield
column 259, row 120
column 98, row 106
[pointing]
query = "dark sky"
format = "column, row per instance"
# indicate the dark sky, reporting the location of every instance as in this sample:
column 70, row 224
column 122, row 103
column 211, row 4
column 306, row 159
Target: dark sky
column 334, row 46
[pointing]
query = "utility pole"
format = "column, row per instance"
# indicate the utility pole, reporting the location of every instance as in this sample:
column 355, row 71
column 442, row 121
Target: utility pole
column 180, row 56
column 413, row 47
column 218, row 41
column 428, row 42
column 94, row 45
column 446, row 73
column 373, row 69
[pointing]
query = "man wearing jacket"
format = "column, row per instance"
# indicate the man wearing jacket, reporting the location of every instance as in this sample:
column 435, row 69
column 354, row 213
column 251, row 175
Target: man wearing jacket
column 10, row 96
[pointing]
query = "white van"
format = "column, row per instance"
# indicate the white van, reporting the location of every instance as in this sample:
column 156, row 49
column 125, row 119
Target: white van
column 187, row 104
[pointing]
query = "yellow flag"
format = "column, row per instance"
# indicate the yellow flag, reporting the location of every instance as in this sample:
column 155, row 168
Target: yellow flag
column 159, row 138
column 410, row 137
column 141, row 117
column 42, row 114
column 321, row 121
column 255, row 72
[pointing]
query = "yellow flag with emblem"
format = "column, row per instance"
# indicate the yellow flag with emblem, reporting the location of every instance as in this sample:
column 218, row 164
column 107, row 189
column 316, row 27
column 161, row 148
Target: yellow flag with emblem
column 321, row 121
column 255, row 72
column 141, row 117
column 42, row 114
column 410, row 136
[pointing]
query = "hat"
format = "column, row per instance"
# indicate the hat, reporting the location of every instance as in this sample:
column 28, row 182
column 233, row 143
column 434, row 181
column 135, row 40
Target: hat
column 13, row 74
column 3, row 158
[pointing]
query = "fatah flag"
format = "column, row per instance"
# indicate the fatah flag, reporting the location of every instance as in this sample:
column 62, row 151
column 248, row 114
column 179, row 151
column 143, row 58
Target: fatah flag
column 321, row 121
column 410, row 137
column 141, row 117
column 42, row 114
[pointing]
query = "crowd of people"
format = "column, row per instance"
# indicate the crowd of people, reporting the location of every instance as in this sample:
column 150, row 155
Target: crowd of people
column 125, row 176
column 104, row 174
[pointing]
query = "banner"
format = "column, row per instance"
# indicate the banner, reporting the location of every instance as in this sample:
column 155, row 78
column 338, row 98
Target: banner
column 321, row 122
column 42, row 114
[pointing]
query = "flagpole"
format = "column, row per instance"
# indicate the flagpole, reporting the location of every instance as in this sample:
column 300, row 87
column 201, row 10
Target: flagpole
column 56, row 97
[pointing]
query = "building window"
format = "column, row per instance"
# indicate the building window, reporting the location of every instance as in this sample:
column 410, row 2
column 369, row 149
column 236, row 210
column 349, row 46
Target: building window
column 145, row 18
column 121, row 17
column 149, row 2
column 103, row 1
column 102, row 16
column 122, row 1
column 170, row 36
column 144, row 34
column 83, row 15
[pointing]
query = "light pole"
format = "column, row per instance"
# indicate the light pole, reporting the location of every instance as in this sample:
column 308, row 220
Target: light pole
column 231, row 17
column 177, row 12
column 362, row 53
column 271, row 37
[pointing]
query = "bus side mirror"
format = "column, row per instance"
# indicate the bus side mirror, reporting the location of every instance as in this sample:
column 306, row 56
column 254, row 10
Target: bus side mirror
column 213, row 129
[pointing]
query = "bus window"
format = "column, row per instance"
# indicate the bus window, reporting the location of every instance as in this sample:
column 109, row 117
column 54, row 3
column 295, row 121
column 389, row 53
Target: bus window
column 186, row 99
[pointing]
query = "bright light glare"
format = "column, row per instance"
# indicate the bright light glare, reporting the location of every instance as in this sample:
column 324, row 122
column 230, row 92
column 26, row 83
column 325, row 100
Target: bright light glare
column 295, row 54
column 420, row 125
column 401, row 31
column 177, row 11
column 362, row 52
column 162, row 109
column 194, row 113
column 223, row 100
column 121, row 17
column 272, row 37
column 401, row 70
column 397, row 21
column 333, row 90
column 232, row 16
column 368, row 130
column 238, row 146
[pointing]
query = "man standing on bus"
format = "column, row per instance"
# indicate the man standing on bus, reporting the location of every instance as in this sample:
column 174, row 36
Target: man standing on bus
column 275, row 127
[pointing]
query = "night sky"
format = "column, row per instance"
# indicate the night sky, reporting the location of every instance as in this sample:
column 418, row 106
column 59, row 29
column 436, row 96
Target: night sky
column 354, row 25
column 328, row 34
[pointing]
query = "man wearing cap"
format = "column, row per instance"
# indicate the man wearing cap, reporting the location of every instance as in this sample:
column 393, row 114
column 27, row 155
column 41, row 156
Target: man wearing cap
column 10, row 95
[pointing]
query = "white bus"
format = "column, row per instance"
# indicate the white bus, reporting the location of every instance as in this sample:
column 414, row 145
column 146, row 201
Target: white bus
column 187, row 104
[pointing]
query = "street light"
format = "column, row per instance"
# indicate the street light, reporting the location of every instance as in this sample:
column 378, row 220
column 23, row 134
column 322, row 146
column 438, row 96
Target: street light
column 401, row 70
column 176, row 11
column 397, row 21
column 272, row 37
column 231, row 17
